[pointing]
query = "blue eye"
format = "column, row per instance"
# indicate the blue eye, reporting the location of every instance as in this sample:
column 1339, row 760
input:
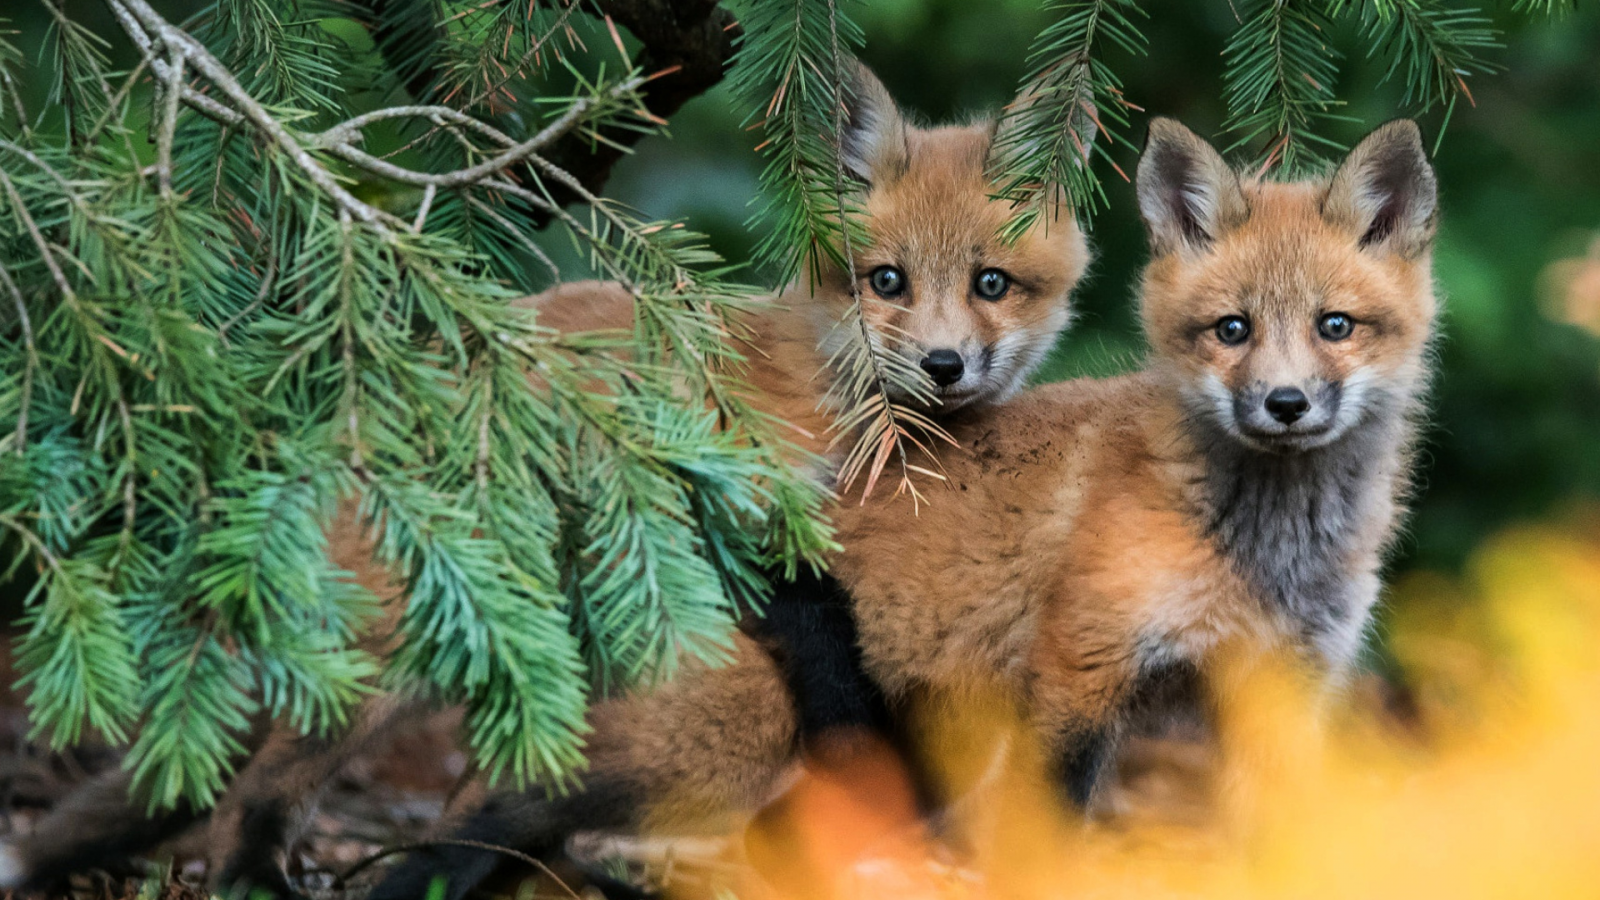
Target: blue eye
column 991, row 284
column 1335, row 326
column 1233, row 330
column 887, row 281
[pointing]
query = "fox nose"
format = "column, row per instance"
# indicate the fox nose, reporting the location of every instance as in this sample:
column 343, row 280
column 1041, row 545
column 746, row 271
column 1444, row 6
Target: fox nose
column 943, row 366
column 1287, row 404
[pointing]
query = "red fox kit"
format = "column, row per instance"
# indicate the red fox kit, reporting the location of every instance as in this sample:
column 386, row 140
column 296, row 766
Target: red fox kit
column 1242, row 488
column 941, row 287
column 975, row 312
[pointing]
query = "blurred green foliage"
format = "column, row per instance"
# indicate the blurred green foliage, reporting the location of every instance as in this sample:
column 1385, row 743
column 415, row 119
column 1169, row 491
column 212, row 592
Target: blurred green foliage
column 1515, row 431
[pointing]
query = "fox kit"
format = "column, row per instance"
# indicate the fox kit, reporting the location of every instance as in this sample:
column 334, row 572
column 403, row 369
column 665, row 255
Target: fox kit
column 941, row 287
column 942, row 290
column 1098, row 534
column 976, row 313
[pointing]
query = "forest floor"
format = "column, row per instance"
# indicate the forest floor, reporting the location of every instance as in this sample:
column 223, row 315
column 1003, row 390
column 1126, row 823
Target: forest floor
column 388, row 797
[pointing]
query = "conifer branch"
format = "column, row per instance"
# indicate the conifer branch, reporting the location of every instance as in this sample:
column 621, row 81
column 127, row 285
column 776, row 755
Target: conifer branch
column 1069, row 99
column 1435, row 45
column 1279, row 81
column 137, row 17
column 885, row 434
column 32, row 362
column 340, row 141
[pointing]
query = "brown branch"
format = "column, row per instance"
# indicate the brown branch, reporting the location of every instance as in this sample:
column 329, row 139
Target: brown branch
column 686, row 46
column 147, row 28
column 689, row 41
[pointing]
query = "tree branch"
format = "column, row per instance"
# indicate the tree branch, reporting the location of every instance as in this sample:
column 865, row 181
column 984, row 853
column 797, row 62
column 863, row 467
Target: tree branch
column 139, row 20
column 339, row 139
column 686, row 48
column 691, row 41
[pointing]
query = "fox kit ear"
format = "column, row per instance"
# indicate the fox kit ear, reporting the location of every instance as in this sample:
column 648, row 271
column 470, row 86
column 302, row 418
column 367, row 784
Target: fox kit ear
column 1385, row 191
column 1011, row 139
column 1011, row 131
column 873, row 144
column 1187, row 194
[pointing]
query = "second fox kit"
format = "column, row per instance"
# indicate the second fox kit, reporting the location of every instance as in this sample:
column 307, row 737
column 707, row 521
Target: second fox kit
column 977, row 313
column 1239, row 490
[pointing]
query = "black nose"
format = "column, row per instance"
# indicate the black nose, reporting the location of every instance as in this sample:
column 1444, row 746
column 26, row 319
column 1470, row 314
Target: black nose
column 1287, row 404
column 944, row 366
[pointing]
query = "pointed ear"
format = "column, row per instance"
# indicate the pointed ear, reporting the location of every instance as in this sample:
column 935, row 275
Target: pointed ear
column 1385, row 191
column 873, row 145
column 1187, row 194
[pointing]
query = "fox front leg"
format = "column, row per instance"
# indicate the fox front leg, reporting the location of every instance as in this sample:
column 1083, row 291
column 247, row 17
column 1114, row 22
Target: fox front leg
column 1082, row 684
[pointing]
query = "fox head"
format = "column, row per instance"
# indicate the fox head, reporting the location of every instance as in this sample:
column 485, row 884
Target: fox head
column 939, row 284
column 1289, row 313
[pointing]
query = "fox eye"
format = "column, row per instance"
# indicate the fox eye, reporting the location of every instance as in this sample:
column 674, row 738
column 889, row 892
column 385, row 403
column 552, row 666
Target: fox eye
column 1335, row 326
column 1233, row 329
column 991, row 284
column 887, row 281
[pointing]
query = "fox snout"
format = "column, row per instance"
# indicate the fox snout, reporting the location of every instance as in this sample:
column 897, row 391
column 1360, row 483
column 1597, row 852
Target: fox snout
column 945, row 367
column 961, row 374
column 1287, row 414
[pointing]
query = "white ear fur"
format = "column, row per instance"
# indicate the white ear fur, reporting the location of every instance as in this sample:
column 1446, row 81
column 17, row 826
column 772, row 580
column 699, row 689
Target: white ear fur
column 873, row 143
column 1187, row 194
column 1385, row 191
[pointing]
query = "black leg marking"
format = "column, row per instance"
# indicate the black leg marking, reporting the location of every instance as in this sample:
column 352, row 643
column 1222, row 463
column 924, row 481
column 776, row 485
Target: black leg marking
column 811, row 628
column 529, row 823
column 1082, row 764
column 256, row 867
column 1166, row 700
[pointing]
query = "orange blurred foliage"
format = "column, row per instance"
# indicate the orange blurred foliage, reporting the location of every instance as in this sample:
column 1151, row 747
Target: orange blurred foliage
column 1496, row 793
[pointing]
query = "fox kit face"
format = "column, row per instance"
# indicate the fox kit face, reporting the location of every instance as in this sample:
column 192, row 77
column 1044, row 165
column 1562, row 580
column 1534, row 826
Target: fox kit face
column 1289, row 311
column 939, row 285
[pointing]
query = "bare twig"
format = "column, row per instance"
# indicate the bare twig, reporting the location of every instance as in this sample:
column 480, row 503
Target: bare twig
column 686, row 47
column 422, row 211
column 348, row 340
column 205, row 105
column 268, row 281
column 337, row 142
column 114, row 103
column 516, row 232
column 46, row 252
column 340, row 880
column 10, row 87
column 347, row 130
column 173, row 93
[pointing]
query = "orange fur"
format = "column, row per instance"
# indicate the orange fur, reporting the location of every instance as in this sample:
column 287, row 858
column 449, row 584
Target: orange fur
column 930, row 215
